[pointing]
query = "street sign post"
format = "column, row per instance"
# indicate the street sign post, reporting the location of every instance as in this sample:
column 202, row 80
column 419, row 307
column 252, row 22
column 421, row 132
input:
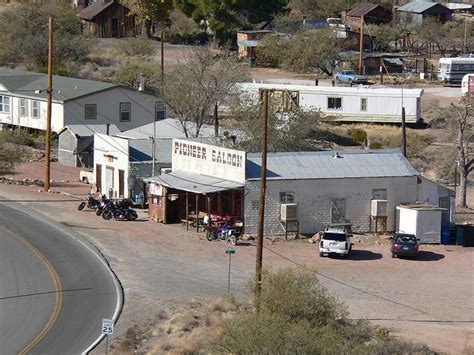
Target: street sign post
column 229, row 251
column 107, row 329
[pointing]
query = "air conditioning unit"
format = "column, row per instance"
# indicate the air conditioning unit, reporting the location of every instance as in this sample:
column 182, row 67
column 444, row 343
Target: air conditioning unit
column 289, row 212
column 165, row 170
column 378, row 208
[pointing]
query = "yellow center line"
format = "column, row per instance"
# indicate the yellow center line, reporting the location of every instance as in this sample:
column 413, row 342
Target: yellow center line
column 57, row 286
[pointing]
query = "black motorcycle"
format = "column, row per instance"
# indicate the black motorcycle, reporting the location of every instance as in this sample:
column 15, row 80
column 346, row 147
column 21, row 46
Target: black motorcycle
column 119, row 210
column 90, row 202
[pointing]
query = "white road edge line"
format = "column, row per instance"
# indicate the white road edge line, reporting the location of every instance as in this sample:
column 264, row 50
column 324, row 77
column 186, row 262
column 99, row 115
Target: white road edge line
column 89, row 246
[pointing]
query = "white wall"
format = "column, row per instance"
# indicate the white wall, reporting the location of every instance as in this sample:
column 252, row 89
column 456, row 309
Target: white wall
column 111, row 152
column 314, row 201
column 108, row 108
column 57, row 122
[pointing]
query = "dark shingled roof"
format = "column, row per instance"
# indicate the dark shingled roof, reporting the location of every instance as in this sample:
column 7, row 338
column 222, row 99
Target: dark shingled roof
column 95, row 8
column 361, row 9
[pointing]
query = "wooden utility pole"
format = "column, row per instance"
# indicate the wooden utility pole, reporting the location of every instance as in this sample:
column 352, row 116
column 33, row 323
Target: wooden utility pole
column 361, row 44
column 261, row 212
column 47, row 162
column 404, row 134
column 162, row 58
column 216, row 120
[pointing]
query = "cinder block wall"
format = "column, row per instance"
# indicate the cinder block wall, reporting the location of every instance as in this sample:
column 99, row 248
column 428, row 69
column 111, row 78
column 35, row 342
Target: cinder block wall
column 314, row 201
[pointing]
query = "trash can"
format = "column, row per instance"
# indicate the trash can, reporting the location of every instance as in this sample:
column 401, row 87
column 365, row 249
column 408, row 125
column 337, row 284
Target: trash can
column 465, row 235
column 445, row 235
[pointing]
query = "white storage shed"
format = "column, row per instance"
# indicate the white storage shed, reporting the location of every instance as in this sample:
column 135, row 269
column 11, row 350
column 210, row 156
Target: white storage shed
column 424, row 221
column 351, row 104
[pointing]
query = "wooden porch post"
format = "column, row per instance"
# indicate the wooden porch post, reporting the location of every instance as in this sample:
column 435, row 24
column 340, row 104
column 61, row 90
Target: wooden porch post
column 197, row 212
column 219, row 203
column 209, row 207
column 187, row 210
column 233, row 203
column 165, row 204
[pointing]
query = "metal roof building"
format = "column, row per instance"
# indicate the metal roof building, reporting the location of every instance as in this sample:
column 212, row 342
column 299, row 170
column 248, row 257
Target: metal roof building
column 419, row 11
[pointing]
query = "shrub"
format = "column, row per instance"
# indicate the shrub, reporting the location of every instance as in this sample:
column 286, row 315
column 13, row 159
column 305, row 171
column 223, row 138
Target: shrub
column 376, row 145
column 357, row 135
column 136, row 47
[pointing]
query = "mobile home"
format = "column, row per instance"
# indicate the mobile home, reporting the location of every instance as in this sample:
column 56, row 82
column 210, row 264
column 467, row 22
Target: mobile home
column 347, row 104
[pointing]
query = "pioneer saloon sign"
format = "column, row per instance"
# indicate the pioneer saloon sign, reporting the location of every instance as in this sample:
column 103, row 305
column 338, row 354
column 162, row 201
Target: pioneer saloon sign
column 206, row 159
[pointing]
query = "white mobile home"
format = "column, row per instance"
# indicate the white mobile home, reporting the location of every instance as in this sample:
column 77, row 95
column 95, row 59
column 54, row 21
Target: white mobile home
column 23, row 102
column 351, row 104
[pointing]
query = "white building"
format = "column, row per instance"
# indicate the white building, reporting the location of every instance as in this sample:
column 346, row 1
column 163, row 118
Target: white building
column 351, row 104
column 23, row 102
column 321, row 187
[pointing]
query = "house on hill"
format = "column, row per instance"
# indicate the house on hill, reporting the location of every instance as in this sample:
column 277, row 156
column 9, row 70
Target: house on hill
column 417, row 12
column 23, row 102
column 372, row 13
column 108, row 19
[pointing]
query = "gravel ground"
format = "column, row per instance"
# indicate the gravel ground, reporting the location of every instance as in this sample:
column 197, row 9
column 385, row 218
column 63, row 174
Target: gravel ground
column 162, row 266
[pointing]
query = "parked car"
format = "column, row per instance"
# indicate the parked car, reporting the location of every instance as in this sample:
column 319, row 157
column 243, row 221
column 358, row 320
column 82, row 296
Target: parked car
column 336, row 239
column 404, row 245
column 350, row 76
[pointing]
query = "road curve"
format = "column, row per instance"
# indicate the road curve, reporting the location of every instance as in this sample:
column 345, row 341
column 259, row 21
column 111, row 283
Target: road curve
column 54, row 289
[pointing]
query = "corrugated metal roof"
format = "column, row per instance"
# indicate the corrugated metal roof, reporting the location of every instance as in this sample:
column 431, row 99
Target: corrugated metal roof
column 192, row 182
column 23, row 83
column 418, row 7
column 361, row 9
column 325, row 165
column 167, row 128
column 83, row 130
column 94, row 9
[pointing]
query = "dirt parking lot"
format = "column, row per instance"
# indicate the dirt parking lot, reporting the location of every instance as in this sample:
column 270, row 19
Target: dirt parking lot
column 162, row 266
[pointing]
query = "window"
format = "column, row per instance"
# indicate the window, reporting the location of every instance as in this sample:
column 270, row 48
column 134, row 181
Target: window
column 379, row 194
column 287, row 197
column 35, row 109
column 23, row 108
column 90, row 111
column 125, row 111
column 335, row 103
column 160, row 111
column 363, row 104
column 5, row 104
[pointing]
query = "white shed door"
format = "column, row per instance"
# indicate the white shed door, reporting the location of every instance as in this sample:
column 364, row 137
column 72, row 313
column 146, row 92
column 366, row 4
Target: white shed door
column 109, row 181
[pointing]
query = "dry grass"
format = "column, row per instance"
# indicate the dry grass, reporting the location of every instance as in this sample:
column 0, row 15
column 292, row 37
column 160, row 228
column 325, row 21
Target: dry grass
column 186, row 331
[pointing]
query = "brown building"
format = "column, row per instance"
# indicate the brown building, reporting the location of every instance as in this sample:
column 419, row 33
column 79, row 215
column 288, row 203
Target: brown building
column 108, row 19
column 248, row 41
column 372, row 13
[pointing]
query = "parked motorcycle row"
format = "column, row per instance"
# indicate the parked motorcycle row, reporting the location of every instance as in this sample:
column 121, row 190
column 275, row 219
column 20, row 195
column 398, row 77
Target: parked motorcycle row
column 225, row 231
column 107, row 208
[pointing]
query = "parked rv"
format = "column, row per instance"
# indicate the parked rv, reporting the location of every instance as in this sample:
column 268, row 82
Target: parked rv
column 452, row 70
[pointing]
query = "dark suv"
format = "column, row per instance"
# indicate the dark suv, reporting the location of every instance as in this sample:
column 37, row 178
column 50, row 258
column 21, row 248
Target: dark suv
column 404, row 245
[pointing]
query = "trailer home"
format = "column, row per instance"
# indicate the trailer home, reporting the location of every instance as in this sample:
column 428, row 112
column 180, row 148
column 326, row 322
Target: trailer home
column 348, row 104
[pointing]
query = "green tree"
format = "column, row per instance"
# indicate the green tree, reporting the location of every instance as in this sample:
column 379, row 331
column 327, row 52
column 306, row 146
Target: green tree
column 318, row 9
column 223, row 17
column 9, row 152
column 24, row 34
column 193, row 87
column 148, row 11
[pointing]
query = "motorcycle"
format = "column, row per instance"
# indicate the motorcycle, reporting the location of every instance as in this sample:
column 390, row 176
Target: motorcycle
column 118, row 211
column 223, row 231
column 103, row 202
column 90, row 202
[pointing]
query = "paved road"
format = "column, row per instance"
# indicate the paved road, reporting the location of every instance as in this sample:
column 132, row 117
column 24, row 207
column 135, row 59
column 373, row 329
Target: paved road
column 54, row 290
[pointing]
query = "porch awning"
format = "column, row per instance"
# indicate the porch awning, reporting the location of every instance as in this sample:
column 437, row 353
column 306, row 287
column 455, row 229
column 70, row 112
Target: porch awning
column 195, row 183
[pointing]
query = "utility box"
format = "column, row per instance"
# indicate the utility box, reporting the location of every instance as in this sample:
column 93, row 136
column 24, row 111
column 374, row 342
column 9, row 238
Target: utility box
column 378, row 208
column 289, row 212
column 424, row 221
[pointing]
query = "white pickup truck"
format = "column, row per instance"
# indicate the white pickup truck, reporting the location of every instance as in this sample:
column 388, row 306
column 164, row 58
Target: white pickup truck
column 336, row 239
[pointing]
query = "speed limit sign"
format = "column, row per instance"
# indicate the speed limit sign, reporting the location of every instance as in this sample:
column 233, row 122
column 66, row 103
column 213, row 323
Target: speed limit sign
column 107, row 326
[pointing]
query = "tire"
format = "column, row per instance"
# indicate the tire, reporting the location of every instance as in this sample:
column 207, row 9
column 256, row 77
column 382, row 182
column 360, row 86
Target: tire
column 81, row 206
column 221, row 236
column 107, row 215
column 393, row 255
column 99, row 211
column 233, row 239
column 209, row 236
column 321, row 254
column 132, row 216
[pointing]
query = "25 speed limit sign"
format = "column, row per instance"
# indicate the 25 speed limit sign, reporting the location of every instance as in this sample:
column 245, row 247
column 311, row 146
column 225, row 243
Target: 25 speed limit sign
column 107, row 326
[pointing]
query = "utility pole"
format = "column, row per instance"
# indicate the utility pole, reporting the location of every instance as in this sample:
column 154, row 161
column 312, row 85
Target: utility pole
column 464, row 50
column 47, row 163
column 404, row 132
column 261, row 212
column 153, row 149
column 216, row 120
column 361, row 44
column 162, row 58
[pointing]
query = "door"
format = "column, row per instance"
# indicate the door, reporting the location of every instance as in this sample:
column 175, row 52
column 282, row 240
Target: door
column 338, row 210
column 121, row 183
column 109, row 181
column 444, row 202
column 115, row 27
column 98, row 177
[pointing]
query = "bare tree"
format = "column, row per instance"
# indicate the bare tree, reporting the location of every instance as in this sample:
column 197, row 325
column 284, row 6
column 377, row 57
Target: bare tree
column 461, row 124
column 194, row 87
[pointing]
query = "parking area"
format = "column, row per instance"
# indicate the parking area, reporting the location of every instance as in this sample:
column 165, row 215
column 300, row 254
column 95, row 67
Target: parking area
column 430, row 299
